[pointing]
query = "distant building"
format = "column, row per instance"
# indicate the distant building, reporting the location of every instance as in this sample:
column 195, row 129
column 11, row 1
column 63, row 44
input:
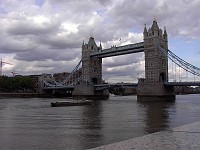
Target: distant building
column 197, row 89
column 186, row 90
column 67, row 77
column 123, row 91
column 35, row 80
column 59, row 77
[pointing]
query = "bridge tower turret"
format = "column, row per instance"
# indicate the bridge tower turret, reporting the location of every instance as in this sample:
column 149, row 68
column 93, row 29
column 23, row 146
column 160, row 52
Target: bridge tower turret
column 156, row 65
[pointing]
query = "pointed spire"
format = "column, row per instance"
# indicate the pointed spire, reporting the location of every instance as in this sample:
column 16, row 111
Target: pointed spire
column 145, row 33
column 92, row 42
column 154, row 25
column 145, row 28
column 83, row 44
column 100, row 46
column 154, row 19
column 165, row 33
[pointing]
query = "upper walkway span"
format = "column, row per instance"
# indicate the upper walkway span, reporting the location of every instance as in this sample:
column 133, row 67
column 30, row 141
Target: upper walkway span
column 121, row 50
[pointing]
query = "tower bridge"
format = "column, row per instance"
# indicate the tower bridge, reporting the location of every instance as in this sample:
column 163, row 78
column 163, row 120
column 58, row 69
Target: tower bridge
column 155, row 85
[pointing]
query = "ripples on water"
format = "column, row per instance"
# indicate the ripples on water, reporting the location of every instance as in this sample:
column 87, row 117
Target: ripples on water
column 32, row 124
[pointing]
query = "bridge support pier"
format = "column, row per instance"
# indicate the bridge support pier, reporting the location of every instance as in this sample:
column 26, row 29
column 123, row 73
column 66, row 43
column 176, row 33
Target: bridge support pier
column 155, row 91
column 86, row 90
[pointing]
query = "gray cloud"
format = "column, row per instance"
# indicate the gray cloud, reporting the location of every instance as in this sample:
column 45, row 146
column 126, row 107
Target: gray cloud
column 122, row 60
column 63, row 42
column 44, row 53
column 27, row 27
column 44, row 35
column 14, row 44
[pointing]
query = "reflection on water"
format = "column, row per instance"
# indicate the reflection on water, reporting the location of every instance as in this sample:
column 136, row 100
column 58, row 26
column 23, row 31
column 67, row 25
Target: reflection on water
column 92, row 125
column 157, row 116
column 33, row 124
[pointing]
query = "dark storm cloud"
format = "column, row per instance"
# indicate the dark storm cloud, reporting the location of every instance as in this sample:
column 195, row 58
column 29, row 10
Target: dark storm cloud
column 104, row 2
column 44, row 54
column 61, row 42
column 179, row 22
column 25, row 28
column 14, row 44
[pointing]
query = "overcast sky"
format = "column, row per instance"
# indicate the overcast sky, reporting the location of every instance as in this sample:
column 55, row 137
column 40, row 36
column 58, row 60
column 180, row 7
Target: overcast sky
column 45, row 36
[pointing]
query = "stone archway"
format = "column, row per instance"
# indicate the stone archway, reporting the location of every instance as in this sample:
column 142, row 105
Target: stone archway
column 94, row 81
column 162, row 77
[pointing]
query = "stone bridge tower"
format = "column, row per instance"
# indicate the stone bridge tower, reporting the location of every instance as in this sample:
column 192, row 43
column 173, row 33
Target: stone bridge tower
column 91, row 67
column 156, row 66
column 156, row 62
column 91, row 73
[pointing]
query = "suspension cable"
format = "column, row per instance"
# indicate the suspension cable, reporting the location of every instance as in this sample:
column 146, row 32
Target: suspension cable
column 175, row 72
column 181, row 63
column 71, row 79
column 172, row 71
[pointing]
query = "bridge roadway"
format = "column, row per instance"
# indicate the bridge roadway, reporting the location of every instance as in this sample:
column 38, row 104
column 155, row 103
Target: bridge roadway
column 107, row 86
column 182, row 83
column 121, row 50
column 97, row 87
column 58, row 88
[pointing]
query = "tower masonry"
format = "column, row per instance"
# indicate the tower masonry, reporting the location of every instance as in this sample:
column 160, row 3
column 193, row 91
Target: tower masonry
column 156, row 66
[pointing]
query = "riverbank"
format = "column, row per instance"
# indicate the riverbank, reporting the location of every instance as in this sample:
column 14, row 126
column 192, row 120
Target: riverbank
column 24, row 95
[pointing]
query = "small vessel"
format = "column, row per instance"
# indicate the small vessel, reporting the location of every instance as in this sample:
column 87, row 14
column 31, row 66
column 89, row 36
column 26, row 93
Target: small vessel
column 71, row 103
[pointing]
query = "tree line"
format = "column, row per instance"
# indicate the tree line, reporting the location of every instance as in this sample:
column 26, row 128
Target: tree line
column 15, row 84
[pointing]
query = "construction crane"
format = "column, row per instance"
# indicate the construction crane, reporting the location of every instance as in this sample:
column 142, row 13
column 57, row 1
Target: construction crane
column 1, row 65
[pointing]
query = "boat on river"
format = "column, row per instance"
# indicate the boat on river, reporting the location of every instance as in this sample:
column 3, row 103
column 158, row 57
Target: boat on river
column 71, row 103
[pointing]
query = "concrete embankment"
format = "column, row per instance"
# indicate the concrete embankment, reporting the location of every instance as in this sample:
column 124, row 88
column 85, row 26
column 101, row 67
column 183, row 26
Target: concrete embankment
column 185, row 137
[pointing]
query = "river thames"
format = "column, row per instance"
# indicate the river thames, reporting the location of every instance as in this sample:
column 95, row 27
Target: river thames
column 32, row 124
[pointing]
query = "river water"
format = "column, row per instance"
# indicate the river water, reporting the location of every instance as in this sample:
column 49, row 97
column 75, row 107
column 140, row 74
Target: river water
column 31, row 124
